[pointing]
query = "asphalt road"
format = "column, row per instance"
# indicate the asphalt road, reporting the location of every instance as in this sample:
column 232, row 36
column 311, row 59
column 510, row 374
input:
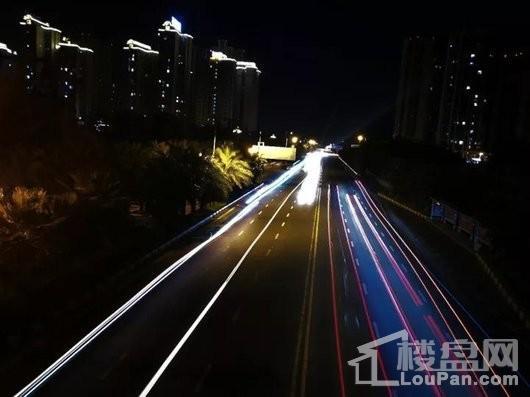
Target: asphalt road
column 277, row 305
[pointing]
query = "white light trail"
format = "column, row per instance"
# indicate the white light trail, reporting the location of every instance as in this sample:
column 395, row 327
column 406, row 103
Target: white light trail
column 81, row 344
column 266, row 189
column 214, row 298
column 313, row 168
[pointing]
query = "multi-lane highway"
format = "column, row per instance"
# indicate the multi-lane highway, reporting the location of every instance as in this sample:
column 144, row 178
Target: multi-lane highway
column 275, row 303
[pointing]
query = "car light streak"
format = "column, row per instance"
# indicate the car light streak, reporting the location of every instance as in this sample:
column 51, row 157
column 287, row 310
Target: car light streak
column 334, row 304
column 214, row 298
column 268, row 188
column 404, row 280
column 88, row 338
column 363, row 299
column 384, row 221
column 79, row 346
column 388, row 288
column 313, row 168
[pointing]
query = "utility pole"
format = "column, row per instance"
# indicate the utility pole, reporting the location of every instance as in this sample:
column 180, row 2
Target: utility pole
column 214, row 139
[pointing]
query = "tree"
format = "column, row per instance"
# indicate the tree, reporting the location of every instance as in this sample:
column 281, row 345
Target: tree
column 236, row 170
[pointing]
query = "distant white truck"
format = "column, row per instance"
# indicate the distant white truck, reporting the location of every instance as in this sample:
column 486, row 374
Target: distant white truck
column 273, row 152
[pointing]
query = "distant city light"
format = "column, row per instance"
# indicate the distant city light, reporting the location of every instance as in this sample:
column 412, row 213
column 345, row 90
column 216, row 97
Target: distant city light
column 294, row 139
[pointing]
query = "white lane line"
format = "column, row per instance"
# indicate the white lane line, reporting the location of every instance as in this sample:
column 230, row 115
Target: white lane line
column 240, row 233
column 283, row 224
column 207, row 308
column 277, row 235
column 252, row 221
column 357, row 262
column 268, row 252
column 287, row 216
column 259, row 213
column 79, row 346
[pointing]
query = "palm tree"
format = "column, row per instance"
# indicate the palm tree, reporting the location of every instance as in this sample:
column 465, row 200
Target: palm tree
column 236, row 170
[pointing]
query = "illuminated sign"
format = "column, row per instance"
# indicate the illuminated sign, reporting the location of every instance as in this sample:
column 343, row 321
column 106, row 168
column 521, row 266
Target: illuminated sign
column 274, row 152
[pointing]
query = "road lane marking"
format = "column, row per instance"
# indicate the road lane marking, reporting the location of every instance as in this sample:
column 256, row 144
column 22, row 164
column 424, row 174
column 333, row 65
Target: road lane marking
column 257, row 193
column 287, row 216
column 382, row 218
column 240, row 233
column 268, row 252
column 283, row 224
column 252, row 221
column 214, row 298
column 334, row 305
column 306, row 312
column 305, row 358
column 277, row 235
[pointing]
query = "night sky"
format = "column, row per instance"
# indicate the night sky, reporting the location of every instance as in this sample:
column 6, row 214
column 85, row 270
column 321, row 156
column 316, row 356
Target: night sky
column 329, row 68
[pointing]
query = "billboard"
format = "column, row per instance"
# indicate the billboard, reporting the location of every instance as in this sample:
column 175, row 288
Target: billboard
column 274, row 152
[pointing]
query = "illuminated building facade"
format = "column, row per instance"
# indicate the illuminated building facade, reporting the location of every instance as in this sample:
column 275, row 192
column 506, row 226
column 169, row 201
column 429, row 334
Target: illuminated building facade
column 8, row 59
column 139, row 91
column 76, row 78
column 247, row 96
column 175, row 69
column 39, row 55
column 454, row 93
column 468, row 84
column 223, row 81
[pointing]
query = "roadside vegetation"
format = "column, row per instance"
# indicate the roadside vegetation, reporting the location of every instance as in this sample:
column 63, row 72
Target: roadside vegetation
column 77, row 208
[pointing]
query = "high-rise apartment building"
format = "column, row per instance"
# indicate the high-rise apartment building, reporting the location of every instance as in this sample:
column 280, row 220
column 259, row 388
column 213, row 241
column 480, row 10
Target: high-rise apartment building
column 38, row 53
column 76, row 78
column 139, row 87
column 175, row 69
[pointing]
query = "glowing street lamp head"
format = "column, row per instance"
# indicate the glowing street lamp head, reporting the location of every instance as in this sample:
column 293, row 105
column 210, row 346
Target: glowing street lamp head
column 360, row 138
column 312, row 142
column 294, row 139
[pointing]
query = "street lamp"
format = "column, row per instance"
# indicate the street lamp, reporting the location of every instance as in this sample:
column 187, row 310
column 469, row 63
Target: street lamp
column 360, row 138
column 312, row 142
column 273, row 136
column 294, row 139
column 237, row 131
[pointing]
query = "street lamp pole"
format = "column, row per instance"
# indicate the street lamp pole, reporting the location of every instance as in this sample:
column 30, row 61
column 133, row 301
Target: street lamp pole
column 214, row 140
